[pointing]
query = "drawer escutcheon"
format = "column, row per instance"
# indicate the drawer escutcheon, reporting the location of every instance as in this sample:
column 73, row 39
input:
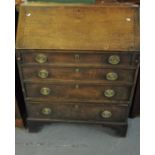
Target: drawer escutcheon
column 77, row 57
column 77, row 70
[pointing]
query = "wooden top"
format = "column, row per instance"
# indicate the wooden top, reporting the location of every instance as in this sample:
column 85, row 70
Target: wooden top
column 78, row 27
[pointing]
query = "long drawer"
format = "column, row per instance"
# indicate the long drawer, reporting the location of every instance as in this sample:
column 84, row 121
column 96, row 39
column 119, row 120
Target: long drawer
column 83, row 112
column 77, row 92
column 77, row 73
column 103, row 58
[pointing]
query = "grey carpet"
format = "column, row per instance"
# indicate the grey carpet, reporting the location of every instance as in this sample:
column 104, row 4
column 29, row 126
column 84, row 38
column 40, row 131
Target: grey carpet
column 78, row 139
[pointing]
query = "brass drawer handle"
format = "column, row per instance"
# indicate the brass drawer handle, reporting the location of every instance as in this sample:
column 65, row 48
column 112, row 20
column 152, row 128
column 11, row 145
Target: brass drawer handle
column 114, row 59
column 45, row 91
column 106, row 114
column 111, row 76
column 43, row 73
column 77, row 56
column 41, row 58
column 109, row 93
column 46, row 111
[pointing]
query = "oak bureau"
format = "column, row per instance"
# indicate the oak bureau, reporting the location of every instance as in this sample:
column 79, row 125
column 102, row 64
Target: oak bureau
column 78, row 62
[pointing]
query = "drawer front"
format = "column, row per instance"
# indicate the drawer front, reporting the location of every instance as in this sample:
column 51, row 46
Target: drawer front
column 77, row 73
column 112, row 58
column 77, row 112
column 77, row 92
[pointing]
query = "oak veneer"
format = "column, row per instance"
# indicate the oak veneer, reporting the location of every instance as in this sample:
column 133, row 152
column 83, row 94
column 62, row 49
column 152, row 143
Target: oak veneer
column 77, row 45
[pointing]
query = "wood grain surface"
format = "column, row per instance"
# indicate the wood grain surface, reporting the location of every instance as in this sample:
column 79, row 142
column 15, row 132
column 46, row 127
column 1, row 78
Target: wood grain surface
column 75, row 44
column 86, row 27
column 79, row 112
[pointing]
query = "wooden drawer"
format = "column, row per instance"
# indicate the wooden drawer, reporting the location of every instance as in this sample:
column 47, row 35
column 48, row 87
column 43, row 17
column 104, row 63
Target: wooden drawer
column 77, row 92
column 47, row 73
column 79, row 112
column 104, row 58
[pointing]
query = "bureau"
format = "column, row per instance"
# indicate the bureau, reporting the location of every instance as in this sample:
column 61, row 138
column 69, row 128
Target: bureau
column 78, row 63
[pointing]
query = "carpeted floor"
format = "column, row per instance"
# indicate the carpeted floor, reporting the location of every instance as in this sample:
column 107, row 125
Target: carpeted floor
column 78, row 139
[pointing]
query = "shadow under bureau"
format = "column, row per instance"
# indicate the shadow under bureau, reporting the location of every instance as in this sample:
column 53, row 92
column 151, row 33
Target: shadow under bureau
column 78, row 63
